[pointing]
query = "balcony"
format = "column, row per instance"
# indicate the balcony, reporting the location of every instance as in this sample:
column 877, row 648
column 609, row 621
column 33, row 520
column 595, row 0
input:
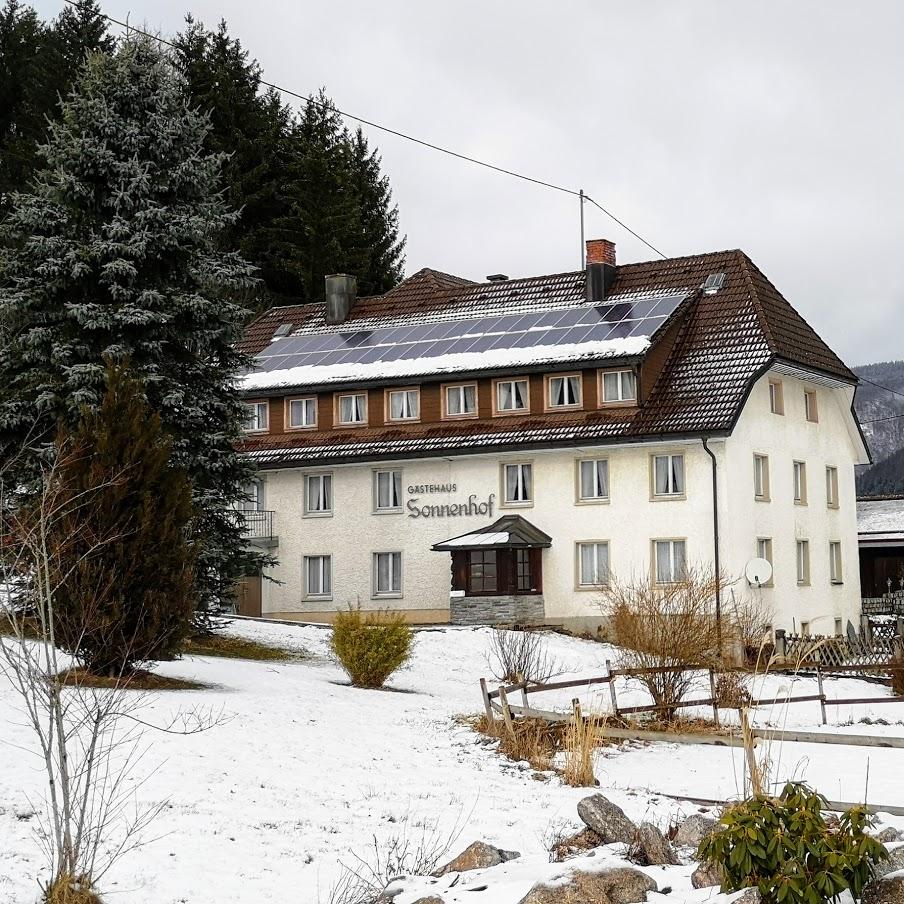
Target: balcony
column 258, row 527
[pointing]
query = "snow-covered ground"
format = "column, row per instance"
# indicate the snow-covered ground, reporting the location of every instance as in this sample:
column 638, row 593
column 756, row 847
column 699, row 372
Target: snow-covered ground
column 307, row 772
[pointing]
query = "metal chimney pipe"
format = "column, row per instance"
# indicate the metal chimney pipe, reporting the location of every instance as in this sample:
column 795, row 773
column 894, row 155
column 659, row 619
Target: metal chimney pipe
column 341, row 294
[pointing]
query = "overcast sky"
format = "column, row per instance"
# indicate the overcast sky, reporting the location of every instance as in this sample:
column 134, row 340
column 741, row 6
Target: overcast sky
column 774, row 127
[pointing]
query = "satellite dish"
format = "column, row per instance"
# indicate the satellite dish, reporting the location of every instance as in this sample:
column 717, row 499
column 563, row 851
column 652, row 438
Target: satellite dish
column 758, row 572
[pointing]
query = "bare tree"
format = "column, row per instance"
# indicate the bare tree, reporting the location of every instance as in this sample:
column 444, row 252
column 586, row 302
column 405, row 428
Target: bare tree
column 521, row 656
column 89, row 738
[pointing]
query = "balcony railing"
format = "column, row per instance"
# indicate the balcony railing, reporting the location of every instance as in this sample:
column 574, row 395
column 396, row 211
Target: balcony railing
column 257, row 524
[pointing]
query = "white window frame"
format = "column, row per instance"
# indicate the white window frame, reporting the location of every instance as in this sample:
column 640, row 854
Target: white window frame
column 519, row 484
column 394, row 572
column 799, row 482
column 811, row 406
column 253, row 411
column 671, row 492
column 802, row 562
column 413, row 409
column 776, row 396
column 577, row 387
column 836, row 566
column 580, row 582
column 580, row 498
column 320, row 476
column 498, row 410
column 627, row 389
column 672, row 542
column 307, row 562
column 312, row 425
column 832, row 487
column 390, row 509
column 760, row 477
column 459, row 388
column 339, row 396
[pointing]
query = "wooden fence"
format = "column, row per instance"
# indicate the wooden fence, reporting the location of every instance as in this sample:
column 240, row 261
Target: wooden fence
column 496, row 702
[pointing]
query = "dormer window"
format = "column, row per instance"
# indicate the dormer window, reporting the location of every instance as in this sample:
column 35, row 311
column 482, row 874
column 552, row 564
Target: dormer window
column 403, row 405
column 564, row 391
column 511, row 396
column 301, row 413
column 257, row 417
column 351, row 409
column 618, row 387
column 460, row 400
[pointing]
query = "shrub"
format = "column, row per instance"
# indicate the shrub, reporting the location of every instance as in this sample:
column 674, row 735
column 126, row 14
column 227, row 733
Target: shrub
column 784, row 847
column 521, row 656
column 731, row 692
column 532, row 740
column 371, row 647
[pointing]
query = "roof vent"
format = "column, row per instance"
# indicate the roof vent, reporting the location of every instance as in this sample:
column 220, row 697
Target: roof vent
column 282, row 330
column 713, row 283
column 497, row 277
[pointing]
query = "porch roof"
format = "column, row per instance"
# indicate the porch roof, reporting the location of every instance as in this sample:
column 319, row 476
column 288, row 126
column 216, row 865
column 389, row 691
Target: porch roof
column 508, row 532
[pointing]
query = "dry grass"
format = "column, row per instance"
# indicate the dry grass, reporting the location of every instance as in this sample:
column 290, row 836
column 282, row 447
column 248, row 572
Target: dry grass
column 26, row 624
column 563, row 846
column 731, row 692
column 230, row 647
column 582, row 736
column 533, row 740
column 71, row 890
column 137, row 681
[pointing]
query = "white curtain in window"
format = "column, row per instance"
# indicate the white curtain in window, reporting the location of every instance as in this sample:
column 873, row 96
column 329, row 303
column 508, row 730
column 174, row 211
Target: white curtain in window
column 454, row 400
column 388, row 572
column 563, row 391
column 505, row 396
column 669, row 474
column 628, row 388
column 351, row 409
column 520, row 394
column 595, row 479
column 389, row 489
column 319, row 570
column 301, row 413
column 663, row 563
column 594, row 563
column 679, row 563
column 518, row 483
column 403, row 405
column 320, row 493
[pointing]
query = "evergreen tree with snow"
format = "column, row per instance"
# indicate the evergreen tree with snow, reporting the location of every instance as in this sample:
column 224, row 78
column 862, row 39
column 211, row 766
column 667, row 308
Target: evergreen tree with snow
column 114, row 254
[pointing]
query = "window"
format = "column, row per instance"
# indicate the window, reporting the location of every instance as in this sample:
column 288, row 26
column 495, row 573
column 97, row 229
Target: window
column 482, row 571
column 668, row 475
column 318, row 494
column 403, row 405
column 671, row 560
column 352, row 409
column 563, row 392
column 764, row 551
column 253, row 493
column 761, row 477
column 593, row 480
column 524, row 579
column 318, row 576
column 461, row 401
column 776, row 397
column 593, row 564
column 839, row 627
column 301, row 413
column 800, row 483
column 835, row 562
column 257, row 417
column 618, row 386
column 511, row 395
column 832, row 487
column 387, row 574
column 517, row 484
column 387, row 491
column 810, row 406
column 803, row 562
column 805, row 628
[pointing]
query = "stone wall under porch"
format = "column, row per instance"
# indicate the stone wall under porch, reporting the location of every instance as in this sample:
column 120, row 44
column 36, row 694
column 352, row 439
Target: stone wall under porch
column 522, row 609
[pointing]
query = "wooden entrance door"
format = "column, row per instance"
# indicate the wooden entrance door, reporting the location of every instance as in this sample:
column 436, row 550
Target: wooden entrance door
column 248, row 595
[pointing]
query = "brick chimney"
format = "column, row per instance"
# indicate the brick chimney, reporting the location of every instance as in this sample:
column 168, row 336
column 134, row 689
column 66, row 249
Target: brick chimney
column 600, row 251
column 600, row 269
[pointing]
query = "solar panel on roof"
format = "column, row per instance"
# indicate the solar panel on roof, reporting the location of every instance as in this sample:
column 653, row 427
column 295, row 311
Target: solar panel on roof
column 562, row 326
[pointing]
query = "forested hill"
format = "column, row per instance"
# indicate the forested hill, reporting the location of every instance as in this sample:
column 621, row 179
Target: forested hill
column 885, row 437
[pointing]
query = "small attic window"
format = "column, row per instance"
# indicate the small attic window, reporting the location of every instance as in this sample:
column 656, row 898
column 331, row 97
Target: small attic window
column 282, row 330
column 713, row 283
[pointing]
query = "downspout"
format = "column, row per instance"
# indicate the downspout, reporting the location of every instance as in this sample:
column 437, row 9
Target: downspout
column 716, row 564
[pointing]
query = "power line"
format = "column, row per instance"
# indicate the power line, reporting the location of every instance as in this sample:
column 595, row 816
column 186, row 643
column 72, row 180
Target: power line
column 878, row 420
column 880, row 386
column 408, row 137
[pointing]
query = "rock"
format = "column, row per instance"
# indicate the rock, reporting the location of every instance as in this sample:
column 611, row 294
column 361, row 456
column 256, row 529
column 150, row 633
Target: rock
column 750, row 896
column 884, row 891
column 433, row 899
column 889, row 834
column 892, row 865
column 706, row 875
column 651, row 848
column 478, row 855
column 607, row 819
column 694, row 829
column 584, row 840
column 621, row 885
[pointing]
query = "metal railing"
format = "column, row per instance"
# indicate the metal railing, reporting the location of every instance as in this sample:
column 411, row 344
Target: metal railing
column 257, row 524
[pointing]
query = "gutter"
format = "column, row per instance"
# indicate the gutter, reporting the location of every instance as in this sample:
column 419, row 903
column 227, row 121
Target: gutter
column 716, row 563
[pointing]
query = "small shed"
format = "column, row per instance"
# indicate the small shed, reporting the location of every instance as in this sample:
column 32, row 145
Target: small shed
column 880, row 529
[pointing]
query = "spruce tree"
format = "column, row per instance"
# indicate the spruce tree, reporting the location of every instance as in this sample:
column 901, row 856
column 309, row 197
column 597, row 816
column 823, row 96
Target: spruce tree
column 119, row 536
column 115, row 254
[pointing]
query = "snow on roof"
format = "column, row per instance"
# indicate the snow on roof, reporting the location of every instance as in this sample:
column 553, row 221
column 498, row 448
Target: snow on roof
column 319, row 375
column 480, row 539
column 880, row 516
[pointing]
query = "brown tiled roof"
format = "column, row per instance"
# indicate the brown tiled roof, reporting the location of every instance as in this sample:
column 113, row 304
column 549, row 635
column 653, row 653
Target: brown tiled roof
column 724, row 342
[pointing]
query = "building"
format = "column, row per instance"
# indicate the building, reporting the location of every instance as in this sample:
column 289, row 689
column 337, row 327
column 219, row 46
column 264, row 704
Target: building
column 485, row 452
column 880, row 526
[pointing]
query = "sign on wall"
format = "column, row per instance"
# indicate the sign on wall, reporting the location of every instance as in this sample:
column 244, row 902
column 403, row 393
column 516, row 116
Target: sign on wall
column 473, row 506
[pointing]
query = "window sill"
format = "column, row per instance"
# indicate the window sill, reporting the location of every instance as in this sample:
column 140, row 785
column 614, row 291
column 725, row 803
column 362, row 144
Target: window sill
column 590, row 588
column 552, row 409
column 668, row 497
column 797, row 502
column 291, row 429
column 328, row 514
column 508, row 412
column 528, row 504
column 388, row 511
column 355, row 426
column 837, row 583
column 256, row 430
column 622, row 403
column 601, row 500
column 470, row 416
column 386, row 596
column 762, row 499
column 393, row 421
column 317, row 599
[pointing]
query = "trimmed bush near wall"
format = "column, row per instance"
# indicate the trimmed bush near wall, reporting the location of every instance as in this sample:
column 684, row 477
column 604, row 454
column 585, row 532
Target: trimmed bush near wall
column 371, row 646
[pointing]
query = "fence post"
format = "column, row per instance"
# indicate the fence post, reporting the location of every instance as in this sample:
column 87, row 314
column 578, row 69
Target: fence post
column 506, row 712
column 899, row 626
column 524, row 702
column 576, row 708
column 781, row 646
column 822, row 694
column 712, row 693
column 866, row 635
column 612, row 694
column 486, row 701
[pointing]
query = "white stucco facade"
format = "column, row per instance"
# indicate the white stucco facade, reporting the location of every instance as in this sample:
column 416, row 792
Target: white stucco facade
column 629, row 520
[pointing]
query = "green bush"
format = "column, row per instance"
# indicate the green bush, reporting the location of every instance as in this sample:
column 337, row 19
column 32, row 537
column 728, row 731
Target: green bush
column 784, row 847
column 371, row 647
